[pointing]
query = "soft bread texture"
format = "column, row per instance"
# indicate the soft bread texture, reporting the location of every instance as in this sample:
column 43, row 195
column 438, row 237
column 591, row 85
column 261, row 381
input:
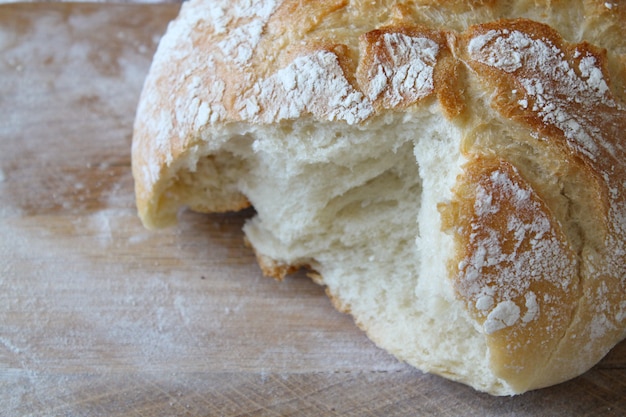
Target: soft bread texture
column 452, row 171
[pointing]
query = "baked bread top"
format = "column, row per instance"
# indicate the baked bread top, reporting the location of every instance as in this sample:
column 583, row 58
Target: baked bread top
column 529, row 98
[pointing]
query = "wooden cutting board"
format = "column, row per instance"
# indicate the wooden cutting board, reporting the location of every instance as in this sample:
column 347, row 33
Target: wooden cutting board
column 101, row 317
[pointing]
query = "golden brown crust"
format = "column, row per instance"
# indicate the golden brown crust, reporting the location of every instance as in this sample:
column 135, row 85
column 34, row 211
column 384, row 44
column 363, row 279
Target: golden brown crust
column 516, row 271
column 394, row 53
column 539, row 212
column 560, row 92
column 272, row 268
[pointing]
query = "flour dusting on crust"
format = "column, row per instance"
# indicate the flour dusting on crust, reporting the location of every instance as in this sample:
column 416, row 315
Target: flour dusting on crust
column 542, row 63
column 403, row 70
column 506, row 260
column 313, row 84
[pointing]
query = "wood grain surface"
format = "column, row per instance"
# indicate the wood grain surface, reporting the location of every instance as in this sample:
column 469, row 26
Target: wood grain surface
column 99, row 317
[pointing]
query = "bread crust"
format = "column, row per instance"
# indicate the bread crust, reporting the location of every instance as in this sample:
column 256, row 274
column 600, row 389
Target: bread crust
column 541, row 258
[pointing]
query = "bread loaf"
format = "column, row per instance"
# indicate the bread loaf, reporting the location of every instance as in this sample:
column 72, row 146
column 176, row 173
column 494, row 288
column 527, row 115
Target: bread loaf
column 452, row 171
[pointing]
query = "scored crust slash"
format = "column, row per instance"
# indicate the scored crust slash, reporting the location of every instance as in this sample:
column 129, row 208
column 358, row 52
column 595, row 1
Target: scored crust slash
column 453, row 172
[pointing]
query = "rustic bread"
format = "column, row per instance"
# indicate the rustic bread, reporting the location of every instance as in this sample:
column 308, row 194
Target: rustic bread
column 452, row 171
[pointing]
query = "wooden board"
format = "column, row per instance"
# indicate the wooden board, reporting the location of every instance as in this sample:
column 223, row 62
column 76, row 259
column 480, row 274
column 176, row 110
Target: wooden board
column 101, row 317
